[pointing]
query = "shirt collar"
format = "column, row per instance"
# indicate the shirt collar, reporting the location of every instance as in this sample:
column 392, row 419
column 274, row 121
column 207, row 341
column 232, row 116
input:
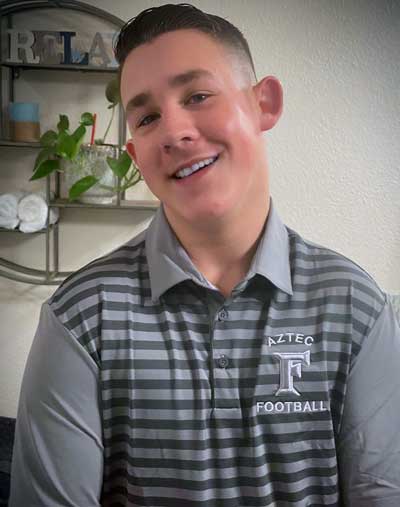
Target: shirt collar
column 169, row 263
column 271, row 259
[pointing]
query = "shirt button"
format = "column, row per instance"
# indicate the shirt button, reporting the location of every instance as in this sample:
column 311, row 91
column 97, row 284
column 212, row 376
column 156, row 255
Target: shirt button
column 223, row 361
column 223, row 315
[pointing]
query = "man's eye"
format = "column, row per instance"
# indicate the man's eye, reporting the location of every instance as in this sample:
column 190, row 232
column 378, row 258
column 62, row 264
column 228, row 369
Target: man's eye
column 197, row 98
column 147, row 120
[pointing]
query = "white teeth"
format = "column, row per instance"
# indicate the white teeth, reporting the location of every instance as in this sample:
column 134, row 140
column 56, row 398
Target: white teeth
column 186, row 171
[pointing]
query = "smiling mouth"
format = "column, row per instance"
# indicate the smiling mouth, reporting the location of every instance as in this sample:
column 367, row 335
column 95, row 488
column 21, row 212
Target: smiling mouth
column 188, row 171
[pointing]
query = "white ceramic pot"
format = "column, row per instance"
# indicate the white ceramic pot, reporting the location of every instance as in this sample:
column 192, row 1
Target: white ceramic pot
column 92, row 160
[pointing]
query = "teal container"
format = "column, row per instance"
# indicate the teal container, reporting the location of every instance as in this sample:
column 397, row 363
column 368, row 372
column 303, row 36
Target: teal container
column 24, row 121
column 24, row 111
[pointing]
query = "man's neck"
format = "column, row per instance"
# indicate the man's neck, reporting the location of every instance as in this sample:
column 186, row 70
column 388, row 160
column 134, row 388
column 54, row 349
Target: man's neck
column 223, row 251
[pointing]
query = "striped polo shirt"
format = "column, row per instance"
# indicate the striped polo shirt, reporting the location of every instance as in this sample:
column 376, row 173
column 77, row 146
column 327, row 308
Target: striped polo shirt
column 278, row 395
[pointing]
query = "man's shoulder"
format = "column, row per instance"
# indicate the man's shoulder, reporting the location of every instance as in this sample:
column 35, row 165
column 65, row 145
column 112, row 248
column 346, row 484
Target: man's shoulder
column 119, row 270
column 322, row 268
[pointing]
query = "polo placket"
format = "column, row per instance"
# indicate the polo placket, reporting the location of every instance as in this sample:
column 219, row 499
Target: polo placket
column 224, row 373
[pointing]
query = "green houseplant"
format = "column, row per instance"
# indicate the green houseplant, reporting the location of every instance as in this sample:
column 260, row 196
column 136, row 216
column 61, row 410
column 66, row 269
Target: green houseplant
column 86, row 165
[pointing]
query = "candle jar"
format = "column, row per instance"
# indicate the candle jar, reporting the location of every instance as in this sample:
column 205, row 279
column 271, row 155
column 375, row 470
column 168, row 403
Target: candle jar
column 24, row 121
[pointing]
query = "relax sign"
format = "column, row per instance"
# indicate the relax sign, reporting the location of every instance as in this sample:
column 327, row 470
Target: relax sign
column 60, row 47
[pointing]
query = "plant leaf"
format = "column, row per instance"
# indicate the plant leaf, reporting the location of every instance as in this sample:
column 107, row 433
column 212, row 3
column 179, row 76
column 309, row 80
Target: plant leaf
column 78, row 136
column 43, row 155
column 87, row 119
column 63, row 124
column 49, row 138
column 80, row 186
column 121, row 165
column 66, row 146
column 46, row 168
column 79, row 133
column 112, row 91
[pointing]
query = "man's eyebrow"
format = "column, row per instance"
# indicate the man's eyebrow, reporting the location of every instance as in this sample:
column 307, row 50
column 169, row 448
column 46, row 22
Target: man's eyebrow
column 141, row 99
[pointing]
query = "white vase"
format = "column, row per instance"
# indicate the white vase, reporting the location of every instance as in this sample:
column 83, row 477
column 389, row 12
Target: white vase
column 92, row 161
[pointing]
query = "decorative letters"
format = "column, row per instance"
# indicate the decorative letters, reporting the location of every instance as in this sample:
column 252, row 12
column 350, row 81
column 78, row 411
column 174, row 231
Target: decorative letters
column 60, row 48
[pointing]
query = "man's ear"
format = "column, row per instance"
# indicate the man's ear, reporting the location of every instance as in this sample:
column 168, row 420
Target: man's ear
column 130, row 148
column 269, row 95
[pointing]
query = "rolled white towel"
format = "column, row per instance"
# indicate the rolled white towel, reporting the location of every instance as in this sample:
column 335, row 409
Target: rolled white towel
column 9, row 209
column 9, row 223
column 32, row 211
column 54, row 212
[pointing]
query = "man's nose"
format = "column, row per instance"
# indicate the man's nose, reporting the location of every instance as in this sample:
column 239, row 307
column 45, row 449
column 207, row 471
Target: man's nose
column 177, row 130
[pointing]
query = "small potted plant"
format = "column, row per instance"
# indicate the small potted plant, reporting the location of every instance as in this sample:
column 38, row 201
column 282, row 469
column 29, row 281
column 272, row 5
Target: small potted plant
column 94, row 172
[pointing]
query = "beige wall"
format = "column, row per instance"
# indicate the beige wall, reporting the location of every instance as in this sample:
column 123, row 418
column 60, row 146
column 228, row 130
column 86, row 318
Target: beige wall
column 334, row 156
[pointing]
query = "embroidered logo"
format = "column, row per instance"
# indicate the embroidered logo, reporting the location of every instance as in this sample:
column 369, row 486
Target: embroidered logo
column 290, row 367
column 288, row 407
column 289, row 339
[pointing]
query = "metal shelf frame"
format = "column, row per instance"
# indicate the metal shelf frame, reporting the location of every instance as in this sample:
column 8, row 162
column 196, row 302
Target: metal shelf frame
column 10, row 7
column 16, row 68
column 51, row 275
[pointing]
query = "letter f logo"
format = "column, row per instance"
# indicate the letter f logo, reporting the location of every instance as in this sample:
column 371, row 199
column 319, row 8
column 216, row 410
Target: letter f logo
column 290, row 366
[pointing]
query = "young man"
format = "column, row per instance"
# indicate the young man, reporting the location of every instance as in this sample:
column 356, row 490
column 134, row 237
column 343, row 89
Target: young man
column 218, row 359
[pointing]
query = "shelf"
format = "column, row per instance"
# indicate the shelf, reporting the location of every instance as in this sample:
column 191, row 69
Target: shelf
column 19, row 144
column 138, row 205
column 17, row 231
column 53, row 66
column 10, row 71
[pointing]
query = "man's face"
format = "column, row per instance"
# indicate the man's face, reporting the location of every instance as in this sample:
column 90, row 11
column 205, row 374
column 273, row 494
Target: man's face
column 188, row 101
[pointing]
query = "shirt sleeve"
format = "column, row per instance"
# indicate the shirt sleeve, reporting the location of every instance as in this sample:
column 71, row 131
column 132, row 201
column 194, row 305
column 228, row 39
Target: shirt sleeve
column 58, row 449
column 369, row 440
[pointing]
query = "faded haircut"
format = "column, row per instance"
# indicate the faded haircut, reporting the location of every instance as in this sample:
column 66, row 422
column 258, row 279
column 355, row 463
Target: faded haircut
column 152, row 22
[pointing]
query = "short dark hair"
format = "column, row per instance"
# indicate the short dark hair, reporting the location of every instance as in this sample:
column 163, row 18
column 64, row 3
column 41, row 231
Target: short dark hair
column 155, row 21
